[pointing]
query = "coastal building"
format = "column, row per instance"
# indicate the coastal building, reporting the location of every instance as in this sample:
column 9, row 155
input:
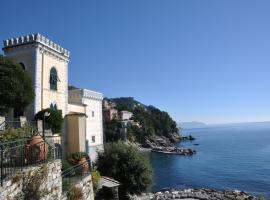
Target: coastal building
column 108, row 104
column 135, row 123
column 110, row 114
column 109, row 111
column 47, row 63
column 89, row 103
column 126, row 115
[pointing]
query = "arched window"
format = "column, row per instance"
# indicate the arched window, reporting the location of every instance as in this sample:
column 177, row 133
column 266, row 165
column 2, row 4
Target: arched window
column 22, row 65
column 53, row 79
column 53, row 106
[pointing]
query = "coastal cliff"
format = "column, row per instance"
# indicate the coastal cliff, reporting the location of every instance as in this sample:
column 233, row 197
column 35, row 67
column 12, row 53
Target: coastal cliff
column 146, row 125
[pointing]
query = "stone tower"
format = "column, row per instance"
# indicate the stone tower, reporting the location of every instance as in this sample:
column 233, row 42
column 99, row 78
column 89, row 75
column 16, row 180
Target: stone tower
column 47, row 63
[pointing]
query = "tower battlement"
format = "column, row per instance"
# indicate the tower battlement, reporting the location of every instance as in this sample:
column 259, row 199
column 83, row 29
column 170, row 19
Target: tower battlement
column 32, row 38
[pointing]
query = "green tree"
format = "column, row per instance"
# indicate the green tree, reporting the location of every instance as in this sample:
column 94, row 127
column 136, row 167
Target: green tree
column 112, row 130
column 55, row 119
column 134, row 134
column 126, row 165
column 16, row 90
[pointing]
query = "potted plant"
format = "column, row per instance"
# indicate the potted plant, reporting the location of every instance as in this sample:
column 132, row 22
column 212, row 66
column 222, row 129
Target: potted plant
column 80, row 161
column 36, row 149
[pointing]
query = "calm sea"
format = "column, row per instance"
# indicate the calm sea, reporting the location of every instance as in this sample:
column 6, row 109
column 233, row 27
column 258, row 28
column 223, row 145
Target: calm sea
column 230, row 157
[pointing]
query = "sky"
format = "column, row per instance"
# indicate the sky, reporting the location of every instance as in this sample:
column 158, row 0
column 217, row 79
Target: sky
column 199, row 60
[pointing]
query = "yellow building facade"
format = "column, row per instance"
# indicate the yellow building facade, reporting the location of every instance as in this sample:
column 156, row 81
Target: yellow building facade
column 40, row 56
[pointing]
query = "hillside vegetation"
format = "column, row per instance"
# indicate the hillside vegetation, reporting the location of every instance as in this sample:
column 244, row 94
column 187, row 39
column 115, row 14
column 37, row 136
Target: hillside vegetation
column 152, row 122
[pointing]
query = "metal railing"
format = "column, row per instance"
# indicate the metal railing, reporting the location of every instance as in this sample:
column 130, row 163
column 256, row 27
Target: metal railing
column 16, row 155
column 74, row 174
column 17, row 124
column 14, row 124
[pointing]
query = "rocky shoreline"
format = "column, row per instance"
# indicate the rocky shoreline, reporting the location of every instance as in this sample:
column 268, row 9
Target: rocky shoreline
column 174, row 151
column 167, row 145
column 195, row 194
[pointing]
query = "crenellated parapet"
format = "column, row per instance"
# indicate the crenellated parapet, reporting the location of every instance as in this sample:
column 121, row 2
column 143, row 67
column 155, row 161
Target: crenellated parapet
column 78, row 94
column 90, row 94
column 35, row 38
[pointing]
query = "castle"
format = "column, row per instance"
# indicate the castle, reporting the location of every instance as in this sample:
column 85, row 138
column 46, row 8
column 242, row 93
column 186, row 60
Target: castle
column 47, row 63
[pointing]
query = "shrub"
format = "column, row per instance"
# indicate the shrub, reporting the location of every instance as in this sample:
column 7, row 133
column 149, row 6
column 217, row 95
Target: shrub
column 74, row 158
column 112, row 130
column 74, row 193
column 28, row 129
column 65, row 165
column 106, row 194
column 11, row 134
column 127, row 165
column 95, row 179
column 55, row 119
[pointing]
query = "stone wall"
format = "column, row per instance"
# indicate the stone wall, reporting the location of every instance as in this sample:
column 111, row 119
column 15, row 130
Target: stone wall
column 85, row 186
column 45, row 181
column 46, row 177
column 10, row 189
column 53, row 185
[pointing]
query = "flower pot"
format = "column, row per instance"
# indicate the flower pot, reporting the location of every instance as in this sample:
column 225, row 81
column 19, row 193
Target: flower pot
column 36, row 150
column 83, row 167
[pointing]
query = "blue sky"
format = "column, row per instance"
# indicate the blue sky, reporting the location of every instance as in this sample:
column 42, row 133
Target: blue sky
column 203, row 60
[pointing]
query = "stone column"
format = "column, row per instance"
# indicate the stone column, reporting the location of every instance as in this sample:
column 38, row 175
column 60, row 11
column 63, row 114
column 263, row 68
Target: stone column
column 22, row 120
column 38, row 79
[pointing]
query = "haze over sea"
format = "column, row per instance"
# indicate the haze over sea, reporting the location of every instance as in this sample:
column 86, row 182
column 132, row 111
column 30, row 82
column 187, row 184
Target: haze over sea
column 228, row 157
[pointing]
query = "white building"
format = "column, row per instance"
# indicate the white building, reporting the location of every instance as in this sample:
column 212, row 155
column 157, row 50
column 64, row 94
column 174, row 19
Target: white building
column 47, row 63
column 126, row 115
column 93, row 109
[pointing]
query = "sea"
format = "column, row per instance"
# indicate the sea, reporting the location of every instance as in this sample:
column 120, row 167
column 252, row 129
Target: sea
column 229, row 157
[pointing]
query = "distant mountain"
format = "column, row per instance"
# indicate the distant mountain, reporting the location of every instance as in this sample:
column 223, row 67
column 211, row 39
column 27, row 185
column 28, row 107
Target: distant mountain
column 127, row 103
column 195, row 124
column 192, row 124
column 265, row 123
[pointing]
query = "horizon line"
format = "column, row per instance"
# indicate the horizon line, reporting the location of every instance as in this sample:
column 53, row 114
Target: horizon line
column 220, row 123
